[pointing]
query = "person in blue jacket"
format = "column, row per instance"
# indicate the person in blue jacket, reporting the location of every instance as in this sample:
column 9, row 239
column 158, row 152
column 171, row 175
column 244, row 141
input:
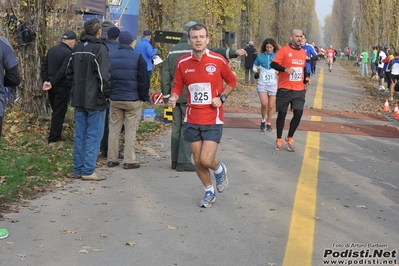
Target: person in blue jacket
column 129, row 89
column 144, row 47
column 311, row 55
column 9, row 74
column 267, row 82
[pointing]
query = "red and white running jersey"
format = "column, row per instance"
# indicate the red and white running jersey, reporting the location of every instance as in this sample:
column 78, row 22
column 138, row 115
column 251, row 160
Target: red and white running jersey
column 204, row 80
column 330, row 53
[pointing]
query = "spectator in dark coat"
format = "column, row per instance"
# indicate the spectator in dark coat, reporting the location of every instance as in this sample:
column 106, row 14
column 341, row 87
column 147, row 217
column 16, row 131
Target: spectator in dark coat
column 249, row 63
column 9, row 74
column 53, row 74
column 89, row 73
column 129, row 90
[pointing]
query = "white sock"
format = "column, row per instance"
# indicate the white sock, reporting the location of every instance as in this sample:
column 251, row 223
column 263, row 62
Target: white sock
column 210, row 188
column 263, row 120
column 219, row 170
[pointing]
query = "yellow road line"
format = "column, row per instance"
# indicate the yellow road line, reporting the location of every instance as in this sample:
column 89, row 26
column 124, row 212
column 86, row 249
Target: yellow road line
column 299, row 249
column 318, row 98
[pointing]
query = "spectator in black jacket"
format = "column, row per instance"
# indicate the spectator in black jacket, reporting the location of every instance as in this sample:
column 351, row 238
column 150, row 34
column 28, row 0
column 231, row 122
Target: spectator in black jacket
column 89, row 73
column 53, row 74
column 129, row 90
column 249, row 63
column 9, row 74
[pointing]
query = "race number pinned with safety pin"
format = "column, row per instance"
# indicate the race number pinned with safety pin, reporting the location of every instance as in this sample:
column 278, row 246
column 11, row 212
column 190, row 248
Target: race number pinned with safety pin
column 200, row 93
column 297, row 75
column 268, row 76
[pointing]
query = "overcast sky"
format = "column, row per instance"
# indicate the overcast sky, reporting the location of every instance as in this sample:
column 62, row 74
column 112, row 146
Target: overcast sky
column 323, row 8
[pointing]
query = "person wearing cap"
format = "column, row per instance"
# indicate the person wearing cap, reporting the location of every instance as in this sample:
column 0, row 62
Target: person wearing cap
column 144, row 47
column 113, row 45
column 180, row 149
column 249, row 63
column 53, row 74
column 129, row 90
column 9, row 74
column 112, row 40
column 89, row 74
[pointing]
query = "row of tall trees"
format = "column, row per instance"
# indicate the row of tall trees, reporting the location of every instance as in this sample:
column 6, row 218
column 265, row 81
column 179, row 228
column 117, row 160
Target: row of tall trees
column 251, row 19
column 368, row 23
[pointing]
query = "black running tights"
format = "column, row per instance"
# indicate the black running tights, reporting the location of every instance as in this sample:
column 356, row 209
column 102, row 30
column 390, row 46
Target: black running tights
column 296, row 119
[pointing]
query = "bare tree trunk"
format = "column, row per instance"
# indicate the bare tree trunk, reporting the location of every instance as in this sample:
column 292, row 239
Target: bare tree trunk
column 33, row 98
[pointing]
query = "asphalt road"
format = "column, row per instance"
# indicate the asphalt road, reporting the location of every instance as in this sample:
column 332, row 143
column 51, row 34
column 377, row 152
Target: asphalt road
column 335, row 198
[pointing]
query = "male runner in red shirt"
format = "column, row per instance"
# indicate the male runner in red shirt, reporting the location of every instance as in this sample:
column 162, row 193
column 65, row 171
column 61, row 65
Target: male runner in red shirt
column 330, row 52
column 290, row 61
column 204, row 73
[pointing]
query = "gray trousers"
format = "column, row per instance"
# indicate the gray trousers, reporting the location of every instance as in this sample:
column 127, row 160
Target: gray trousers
column 180, row 149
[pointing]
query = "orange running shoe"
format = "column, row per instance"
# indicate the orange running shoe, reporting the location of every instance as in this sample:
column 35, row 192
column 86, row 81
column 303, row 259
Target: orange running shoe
column 279, row 144
column 290, row 143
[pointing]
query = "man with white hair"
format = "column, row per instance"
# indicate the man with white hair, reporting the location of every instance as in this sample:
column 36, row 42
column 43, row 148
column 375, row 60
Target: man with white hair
column 249, row 63
column 53, row 74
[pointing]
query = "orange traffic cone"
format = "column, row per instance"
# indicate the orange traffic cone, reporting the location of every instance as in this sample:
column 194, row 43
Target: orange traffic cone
column 386, row 106
column 395, row 111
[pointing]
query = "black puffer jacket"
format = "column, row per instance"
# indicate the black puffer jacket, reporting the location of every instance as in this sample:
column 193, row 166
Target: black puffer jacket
column 89, row 74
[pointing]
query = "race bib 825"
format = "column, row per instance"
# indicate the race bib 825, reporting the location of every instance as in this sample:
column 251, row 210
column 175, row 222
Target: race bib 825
column 200, row 93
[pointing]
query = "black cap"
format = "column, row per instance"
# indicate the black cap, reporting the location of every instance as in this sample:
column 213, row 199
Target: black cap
column 113, row 33
column 147, row 33
column 69, row 35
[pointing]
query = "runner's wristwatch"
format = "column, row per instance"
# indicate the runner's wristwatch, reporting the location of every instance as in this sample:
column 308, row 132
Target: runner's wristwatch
column 223, row 97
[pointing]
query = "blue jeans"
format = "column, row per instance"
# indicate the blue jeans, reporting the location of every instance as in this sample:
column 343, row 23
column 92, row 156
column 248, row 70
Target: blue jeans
column 365, row 69
column 88, row 134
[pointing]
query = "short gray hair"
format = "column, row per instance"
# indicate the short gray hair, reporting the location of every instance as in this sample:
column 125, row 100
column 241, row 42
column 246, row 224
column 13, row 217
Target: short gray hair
column 92, row 25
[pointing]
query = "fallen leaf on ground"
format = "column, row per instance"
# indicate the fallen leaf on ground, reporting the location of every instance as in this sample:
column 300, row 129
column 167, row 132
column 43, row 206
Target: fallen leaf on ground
column 64, row 231
column 91, row 249
column 172, row 227
column 21, row 256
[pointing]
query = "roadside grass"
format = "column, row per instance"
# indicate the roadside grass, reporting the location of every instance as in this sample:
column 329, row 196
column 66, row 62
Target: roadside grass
column 27, row 162
column 373, row 99
column 29, row 166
